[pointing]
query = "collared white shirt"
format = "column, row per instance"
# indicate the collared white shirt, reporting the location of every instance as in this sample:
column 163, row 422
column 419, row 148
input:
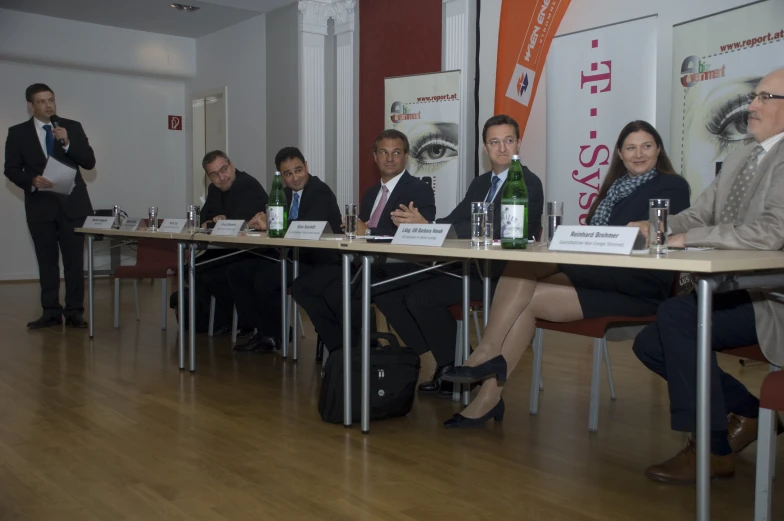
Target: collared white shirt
column 501, row 181
column 768, row 144
column 391, row 184
column 39, row 127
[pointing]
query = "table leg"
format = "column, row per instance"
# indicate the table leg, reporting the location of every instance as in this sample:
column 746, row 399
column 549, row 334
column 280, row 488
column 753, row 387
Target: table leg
column 181, row 301
column 90, row 287
column 705, row 290
column 346, row 340
column 192, row 306
column 284, row 318
column 466, row 332
column 294, row 310
column 486, row 293
column 366, row 261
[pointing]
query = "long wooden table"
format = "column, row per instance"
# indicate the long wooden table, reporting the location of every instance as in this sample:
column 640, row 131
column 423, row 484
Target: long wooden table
column 721, row 270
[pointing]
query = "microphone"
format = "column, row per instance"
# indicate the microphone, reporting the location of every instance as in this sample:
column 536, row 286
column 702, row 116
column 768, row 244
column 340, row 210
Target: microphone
column 55, row 120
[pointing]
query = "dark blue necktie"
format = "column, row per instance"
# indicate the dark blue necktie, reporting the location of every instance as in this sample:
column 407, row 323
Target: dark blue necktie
column 493, row 189
column 294, row 212
column 49, row 140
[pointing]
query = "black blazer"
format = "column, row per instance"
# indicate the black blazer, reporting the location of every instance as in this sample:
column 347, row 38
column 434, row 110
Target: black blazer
column 408, row 189
column 317, row 203
column 24, row 159
column 663, row 186
column 460, row 218
column 246, row 198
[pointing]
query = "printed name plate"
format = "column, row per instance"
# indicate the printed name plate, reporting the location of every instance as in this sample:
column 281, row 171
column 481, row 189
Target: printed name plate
column 172, row 225
column 228, row 227
column 99, row 223
column 423, row 234
column 307, row 230
column 617, row 240
column 130, row 224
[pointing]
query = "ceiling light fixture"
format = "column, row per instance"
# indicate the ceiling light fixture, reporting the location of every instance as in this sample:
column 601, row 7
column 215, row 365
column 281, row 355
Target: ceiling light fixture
column 185, row 8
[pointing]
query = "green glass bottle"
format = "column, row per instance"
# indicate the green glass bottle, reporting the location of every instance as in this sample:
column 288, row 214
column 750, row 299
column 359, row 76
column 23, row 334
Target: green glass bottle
column 277, row 209
column 514, row 208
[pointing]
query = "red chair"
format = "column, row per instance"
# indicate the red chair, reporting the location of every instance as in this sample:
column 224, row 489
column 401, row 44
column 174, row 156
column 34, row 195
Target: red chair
column 154, row 259
column 771, row 400
column 595, row 328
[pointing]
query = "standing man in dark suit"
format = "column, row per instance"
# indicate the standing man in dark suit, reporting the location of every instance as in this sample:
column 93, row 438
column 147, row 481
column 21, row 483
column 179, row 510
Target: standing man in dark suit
column 232, row 194
column 51, row 217
column 255, row 283
column 419, row 311
column 320, row 292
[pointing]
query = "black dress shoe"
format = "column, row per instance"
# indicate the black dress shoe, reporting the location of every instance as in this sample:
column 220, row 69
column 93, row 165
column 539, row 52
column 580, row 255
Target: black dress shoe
column 435, row 384
column 45, row 321
column 495, row 367
column 269, row 343
column 252, row 344
column 458, row 421
column 76, row 321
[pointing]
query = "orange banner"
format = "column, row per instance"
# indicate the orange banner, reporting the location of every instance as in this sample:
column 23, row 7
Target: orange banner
column 524, row 34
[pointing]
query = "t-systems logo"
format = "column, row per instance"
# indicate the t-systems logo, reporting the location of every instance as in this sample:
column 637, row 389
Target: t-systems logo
column 521, row 85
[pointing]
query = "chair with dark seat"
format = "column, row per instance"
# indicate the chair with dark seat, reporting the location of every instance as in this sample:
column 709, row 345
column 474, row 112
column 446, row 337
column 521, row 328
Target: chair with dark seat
column 596, row 328
column 154, row 260
column 771, row 400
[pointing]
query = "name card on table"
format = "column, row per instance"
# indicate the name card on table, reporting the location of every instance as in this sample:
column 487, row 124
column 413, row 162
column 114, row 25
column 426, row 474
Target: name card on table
column 99, row 223
column 130, row 224
column 616, row 240
column 423, row 234
column 172, row 225
column 306, row 230
column 228, row 227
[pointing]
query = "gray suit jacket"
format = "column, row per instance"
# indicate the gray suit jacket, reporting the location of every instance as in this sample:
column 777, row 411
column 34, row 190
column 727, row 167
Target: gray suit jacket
column 762, row 209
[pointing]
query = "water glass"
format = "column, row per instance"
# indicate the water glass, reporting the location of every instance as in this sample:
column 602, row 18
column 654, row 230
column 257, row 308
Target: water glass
column 152, row 222
column 482, row 224
column 195, row 220
column 351, row 221
column 554, row 218
column 116, row 215
column 658, row 210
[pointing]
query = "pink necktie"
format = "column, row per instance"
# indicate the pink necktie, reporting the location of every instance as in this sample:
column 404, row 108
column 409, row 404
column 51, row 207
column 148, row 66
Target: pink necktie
column 373, row 222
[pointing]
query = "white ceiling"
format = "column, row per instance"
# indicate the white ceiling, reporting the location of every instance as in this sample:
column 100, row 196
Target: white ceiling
column 151, row 15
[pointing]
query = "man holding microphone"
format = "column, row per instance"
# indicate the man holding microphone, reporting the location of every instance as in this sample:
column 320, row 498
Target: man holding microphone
column 52, row 217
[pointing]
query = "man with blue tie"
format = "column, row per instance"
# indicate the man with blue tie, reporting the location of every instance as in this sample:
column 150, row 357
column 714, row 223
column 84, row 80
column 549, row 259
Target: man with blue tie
column 419, row 312
column 52, row 217
column 255, row 283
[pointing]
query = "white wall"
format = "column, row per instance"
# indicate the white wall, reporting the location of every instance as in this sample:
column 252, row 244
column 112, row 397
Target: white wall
column 583, row 15
column 31, row 38
column 235, row 57
column 139, row 162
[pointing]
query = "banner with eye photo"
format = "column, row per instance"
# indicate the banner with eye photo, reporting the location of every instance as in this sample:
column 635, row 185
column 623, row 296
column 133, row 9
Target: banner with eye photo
column 718, row 61
column 426, row 108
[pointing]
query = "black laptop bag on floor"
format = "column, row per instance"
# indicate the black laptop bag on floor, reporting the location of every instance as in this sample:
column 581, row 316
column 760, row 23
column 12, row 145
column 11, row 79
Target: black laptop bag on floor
column 394, row 372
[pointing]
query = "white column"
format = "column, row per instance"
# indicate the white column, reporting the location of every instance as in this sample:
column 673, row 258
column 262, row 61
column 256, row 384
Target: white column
column 347, row 182
column 458, row 51
column 312, row 124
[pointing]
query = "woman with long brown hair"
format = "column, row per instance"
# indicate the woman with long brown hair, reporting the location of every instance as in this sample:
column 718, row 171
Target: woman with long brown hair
column 640, row 170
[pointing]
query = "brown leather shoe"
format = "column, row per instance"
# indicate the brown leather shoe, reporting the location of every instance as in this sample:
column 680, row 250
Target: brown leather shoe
column 682, row 469
column 743, row 431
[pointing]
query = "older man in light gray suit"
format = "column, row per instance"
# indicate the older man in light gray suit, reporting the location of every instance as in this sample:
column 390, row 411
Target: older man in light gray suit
column 743, row 209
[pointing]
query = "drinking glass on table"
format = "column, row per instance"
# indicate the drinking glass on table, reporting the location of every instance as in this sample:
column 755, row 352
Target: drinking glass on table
column 350, row 221
column 482, row 224
column 554, row 218
column 658, row 211
column 152, row 222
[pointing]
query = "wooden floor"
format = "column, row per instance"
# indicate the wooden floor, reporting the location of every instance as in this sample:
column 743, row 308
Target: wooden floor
column 112, row 430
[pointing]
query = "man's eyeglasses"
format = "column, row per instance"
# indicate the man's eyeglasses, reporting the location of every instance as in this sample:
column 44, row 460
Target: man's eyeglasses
column 763, row 96
column 495, row 143
column 221, row 172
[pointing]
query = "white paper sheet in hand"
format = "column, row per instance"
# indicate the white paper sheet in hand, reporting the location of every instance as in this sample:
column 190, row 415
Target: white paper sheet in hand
column 62, row 177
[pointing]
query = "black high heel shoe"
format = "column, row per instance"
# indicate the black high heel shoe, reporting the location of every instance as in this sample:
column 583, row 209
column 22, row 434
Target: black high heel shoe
column 466, row 375
column 458, row 421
